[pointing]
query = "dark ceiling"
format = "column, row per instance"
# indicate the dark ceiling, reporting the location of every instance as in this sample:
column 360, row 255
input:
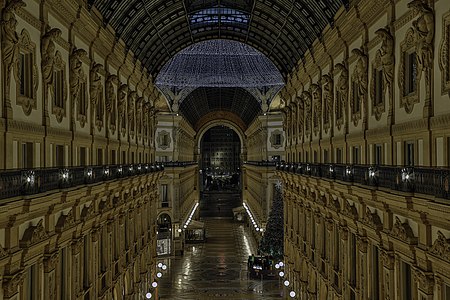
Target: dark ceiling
column 205, row 100
column 156, row 30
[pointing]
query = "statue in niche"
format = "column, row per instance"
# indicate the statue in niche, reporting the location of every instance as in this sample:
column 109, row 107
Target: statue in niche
column 341, row 94
column 316, row 93
column 386, row 54
column 307, row 100
column 359, row 85
column 131, row 104
column 10, row 40
column 48, row 55
column 76, row 71
column 139, row 103
column 328, row 99
column 95, row 86
column 111, row 98
column 424, row 33
column 301, row 116
column 122, row 94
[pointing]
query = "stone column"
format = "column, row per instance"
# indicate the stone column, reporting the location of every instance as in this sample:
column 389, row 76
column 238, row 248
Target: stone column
column 388, row 287
column 77, row 286
column 50, row 264
column 425, row 284
column 362, row 279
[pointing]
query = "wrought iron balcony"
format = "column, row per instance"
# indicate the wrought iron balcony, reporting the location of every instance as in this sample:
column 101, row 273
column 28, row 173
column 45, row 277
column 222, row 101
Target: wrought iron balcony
column 178, row 164
column 423, row 180
column 33, row 181
column 261, row 163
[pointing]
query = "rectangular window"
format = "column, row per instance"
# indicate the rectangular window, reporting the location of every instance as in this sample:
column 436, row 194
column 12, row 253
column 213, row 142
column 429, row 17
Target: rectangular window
column 113, row 157
column 306, row 156
column 410, row 73
column 59, row 156
column 164, row 196
column 356, row 156
column 82, row 103
column 375, row 273
column 337, row 255
column 379, row 87
column 277, row 139
column 82, row 160
column 325, row 156
column 31, row 283
column 132, row 157
column 446, row 292
column 124, row 157
column 378, row 154
column 63, row 274
column 86, row 261
column 356, row 101
column 338, row 155
column 353, row 261
column 406, row 281
column 315, row 157
column 58, row 88
column 27, row 155
column 409, row 153
column 99, row 156
column 26, row 74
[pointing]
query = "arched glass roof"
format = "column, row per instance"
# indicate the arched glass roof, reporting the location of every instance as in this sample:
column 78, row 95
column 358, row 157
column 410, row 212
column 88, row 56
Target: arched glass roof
column 157, row 30
column 219, row 63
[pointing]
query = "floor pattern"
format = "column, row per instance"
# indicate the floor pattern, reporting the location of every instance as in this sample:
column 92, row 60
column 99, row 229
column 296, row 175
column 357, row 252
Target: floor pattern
column 216, row 269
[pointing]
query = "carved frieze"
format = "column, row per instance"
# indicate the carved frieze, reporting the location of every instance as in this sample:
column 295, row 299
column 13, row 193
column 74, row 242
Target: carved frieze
column 33, row 235
column 350, row 210
column 87, row 212
column 441, row 247
column 65, row 222
column 403, row 231
column 425, row 280
column 444, row 54
column 341, row 95
column 373, row 219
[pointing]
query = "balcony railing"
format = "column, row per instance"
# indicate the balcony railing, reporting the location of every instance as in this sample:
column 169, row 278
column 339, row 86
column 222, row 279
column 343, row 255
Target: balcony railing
column 15, row 183
column 177, row 164
column 261, row 163
column 424, row 180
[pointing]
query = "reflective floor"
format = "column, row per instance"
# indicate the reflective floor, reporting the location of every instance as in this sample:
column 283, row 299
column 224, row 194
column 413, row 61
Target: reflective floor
column 216, row 269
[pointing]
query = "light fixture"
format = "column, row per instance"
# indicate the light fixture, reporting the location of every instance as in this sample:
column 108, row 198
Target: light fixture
column 164, row 267
column 292, row 294
column 148, row 295
column 159, row 274
column 160, row 265
column 106, row 172
column 277, row 266
column 281, row 264
column 286, row 283
column 179, row 230
column 89, row 173
column 154, row 284
column 281, row 273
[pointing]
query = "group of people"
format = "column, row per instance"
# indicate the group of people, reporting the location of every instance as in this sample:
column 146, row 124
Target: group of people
column 261, row 266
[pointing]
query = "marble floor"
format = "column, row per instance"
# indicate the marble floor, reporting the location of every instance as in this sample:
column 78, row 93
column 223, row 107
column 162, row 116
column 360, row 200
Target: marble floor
column 216, row 269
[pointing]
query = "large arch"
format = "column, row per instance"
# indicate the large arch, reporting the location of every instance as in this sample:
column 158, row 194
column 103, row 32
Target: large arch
column 219, row 122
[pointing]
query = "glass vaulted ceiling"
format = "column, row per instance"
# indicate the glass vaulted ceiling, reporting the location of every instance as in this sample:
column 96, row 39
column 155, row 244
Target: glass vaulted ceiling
column 158, row 29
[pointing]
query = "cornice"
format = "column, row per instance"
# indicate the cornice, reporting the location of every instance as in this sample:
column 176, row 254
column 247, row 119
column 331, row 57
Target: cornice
column 440, row 122
column 404, row 19
column 25, row 127
column 29, row 18
column 409, row 127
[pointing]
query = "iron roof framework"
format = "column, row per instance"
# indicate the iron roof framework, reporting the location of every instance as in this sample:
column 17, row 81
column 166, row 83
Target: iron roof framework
column 207, row 99
column 156, row 30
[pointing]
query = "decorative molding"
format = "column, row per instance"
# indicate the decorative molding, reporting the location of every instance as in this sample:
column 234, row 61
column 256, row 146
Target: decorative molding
column 441, row 247
column 328, row 99
column 316, row 94
column 341, row 98
column 12, row 284
column 28, row 102
column 444, row 54
column 373, row 220
column 59, row 112
column 33, row 235
column 350, row 210
column 358, row 84
column 403, row 231
column 407, row 46
column 273, row 139
column 65, row 222
column 163, row 140
column 87, row 212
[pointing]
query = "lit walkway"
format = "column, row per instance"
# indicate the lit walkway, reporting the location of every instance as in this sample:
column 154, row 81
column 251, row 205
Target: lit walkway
column 216, row 269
